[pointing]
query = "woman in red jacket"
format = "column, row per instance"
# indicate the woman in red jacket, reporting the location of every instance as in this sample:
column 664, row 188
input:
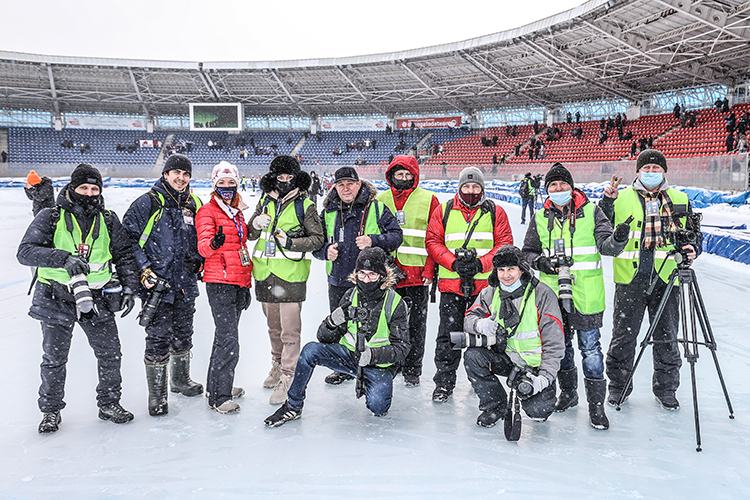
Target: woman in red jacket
column 222, row 240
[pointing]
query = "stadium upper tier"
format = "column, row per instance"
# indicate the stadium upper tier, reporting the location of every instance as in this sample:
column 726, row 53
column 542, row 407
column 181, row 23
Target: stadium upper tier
column 601, row 50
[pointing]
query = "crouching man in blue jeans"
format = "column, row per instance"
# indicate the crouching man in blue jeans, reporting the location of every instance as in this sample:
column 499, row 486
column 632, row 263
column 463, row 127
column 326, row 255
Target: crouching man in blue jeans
column 367, row 336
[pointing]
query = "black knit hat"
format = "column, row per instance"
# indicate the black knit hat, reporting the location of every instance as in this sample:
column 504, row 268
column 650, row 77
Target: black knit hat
column 558, row 173
column 651, row 156
column 178, row 162
column 345, row 173
column 85, row 174
column 372, row 259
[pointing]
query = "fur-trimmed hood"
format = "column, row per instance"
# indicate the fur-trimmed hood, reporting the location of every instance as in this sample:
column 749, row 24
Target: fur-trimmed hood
column 366, row 194
column 389, row 282
column 302, row 181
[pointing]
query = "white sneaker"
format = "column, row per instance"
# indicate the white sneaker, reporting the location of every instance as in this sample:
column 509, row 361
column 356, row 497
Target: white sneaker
column 279, row 392
column 228, row 406
column 273, row 376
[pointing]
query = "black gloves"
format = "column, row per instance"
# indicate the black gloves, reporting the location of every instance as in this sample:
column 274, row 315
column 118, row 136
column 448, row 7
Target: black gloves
column 468, row 268
column 622, row 231
column 75, row 265
column 128, row 301
column 544, row 265
column 192, row 264
column 219, row 239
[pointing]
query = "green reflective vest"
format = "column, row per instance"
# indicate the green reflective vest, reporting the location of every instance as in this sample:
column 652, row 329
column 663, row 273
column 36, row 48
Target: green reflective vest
column 67, row 237
column 524, row 347
column 154, row 219
column 530, row 188
column 374, row 213
column 293, row 267
column 412, row 251
column 586, row 271
column 626, row 263
column 382, row 336
column 482, row 239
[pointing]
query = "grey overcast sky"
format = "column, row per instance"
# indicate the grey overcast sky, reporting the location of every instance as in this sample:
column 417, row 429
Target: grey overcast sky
column 235, row 30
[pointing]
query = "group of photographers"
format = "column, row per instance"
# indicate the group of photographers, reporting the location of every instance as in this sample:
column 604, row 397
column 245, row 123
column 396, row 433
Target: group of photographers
column 382, row 252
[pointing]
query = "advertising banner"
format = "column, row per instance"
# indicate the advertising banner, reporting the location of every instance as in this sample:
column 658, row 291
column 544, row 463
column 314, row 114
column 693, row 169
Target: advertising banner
column 105, row 122
column 353, row 124
column 148, row 143
column 432, row 122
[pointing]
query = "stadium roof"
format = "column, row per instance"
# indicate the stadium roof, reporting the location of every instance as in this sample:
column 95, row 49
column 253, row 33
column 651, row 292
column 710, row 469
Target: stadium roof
column 603, row 49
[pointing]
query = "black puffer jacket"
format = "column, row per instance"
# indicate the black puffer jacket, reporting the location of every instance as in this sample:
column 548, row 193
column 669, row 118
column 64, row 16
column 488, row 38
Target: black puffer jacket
column 399, row 326
column 54, row 303
column 42, row 194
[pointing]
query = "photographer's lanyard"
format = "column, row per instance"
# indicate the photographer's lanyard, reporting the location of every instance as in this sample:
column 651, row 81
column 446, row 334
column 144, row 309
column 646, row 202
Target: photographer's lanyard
column 84, row 247
column 470, row 230
column 553, row 223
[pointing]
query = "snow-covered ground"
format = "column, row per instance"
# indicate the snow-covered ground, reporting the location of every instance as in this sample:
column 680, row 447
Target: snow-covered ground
column 338, row 449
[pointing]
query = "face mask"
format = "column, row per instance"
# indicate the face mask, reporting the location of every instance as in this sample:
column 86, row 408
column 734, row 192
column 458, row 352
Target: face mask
column 471, row 199
column 284, row 187
column 402, row 185
column 368, row 287
column 226, row 193
column 88, row 203
column 652, row 179
column 561, row 198
column 512, row 287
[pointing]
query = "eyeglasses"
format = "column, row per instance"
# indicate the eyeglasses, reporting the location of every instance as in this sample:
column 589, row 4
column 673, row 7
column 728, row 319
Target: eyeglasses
column 367, row 276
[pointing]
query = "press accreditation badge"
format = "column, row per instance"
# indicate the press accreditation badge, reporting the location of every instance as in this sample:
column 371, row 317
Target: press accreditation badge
column 341, row 235
column 401, row 217
column 652, row 208
column 270, row 249
column 84, row 251
column 187, row 216
column 245, row 256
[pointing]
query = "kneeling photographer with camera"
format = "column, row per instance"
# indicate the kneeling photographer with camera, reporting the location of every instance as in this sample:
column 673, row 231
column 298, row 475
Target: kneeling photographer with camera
column 513, row 328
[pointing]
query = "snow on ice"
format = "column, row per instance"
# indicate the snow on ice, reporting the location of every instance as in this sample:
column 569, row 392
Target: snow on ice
column 338, row 449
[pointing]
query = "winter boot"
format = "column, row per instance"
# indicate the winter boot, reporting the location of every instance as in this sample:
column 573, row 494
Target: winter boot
column 273, row 376
column 568, row 397
column 279, row 392
column 180, row 375
column 50, row 422
column 227, row 407
column 596, row 390
column 156, row 376
column 283, row 415
column 115, row 413
column 337, row 378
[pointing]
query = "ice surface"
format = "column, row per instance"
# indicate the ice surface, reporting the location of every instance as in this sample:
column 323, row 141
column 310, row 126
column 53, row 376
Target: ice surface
column 338, row 449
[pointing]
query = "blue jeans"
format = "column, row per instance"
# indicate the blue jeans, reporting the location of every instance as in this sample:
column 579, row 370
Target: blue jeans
column 527, row 202
column 591, row 352
column 378, row 381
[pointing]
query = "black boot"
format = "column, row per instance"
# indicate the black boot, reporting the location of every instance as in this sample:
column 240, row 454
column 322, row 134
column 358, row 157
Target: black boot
column 156, row 375
column 180, row 376
column 568, row 398
column 596, row 390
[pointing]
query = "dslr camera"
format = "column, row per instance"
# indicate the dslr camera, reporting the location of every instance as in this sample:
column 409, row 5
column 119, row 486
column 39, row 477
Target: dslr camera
column 467, row 282
column 160, row 289
column 519, row 380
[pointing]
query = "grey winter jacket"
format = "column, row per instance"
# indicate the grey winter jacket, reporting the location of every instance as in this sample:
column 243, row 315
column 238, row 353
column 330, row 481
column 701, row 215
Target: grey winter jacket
column 550, row 325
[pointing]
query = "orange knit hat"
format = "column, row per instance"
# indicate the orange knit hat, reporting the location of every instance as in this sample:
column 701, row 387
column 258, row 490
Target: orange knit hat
column 33, row 178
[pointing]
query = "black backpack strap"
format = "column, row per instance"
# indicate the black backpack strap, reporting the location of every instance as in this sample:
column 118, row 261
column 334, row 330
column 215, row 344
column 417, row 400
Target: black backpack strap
column 299, row 208
column 489, row 206
column 447, row 213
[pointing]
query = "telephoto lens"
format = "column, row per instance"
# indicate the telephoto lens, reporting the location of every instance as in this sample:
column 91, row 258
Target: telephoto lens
column 79, row 287
column 154, row 299
column 461, row 340
column 565, row 287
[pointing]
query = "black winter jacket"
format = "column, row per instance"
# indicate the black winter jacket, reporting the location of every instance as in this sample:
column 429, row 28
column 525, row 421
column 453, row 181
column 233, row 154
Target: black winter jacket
column 42, row 195
column 53, row 302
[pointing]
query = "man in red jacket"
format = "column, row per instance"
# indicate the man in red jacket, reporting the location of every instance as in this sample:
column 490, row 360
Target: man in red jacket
column 463, row 235
column 413, row 207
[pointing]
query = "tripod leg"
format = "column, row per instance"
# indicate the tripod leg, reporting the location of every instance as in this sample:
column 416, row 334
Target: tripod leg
column 709, row 339
column 695, row 406
column 647, row 339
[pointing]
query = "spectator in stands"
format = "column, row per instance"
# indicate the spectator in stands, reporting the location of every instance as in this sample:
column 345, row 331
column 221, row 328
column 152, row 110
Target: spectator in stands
column 568, row 118
column 730, row 142
column 514, row 132
column 633, row 148
column 602, row 135
column 731, row 122
column 725, row 105
column 413, row 127
column 536, row 127
column 494, row 141
column 676, row 111
column 578, row 117
column 610, row 123
column 517, row 149
column 40, row 191
column 507, row 131
column 602, row 123
column 718, row 104
column 531, row 153
column 502, row 159
column 3, row 156
column 494, row 159
column 692, row 117
column 742, row 144
column 650, row 142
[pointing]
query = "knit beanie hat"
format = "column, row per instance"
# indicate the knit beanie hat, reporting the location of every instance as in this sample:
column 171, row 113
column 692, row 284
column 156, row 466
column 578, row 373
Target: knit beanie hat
column 178, row 162
column 85, row 174
column 470, row 174
column 558, row 173
column 222, row 170
column 372, row 259
column 651, row 156
column 33, row 178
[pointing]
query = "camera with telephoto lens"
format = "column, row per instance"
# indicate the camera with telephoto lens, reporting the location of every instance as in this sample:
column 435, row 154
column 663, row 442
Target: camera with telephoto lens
column 358, row 314
column 564, row 280
column 519, row 380
column 462, row 340
column 154, row 299
column 467, row 282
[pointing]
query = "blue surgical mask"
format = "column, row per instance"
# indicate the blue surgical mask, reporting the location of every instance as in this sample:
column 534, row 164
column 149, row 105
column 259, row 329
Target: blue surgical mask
column 226, row 193
column 512, row 287
column 561, row 198
column 652, row 179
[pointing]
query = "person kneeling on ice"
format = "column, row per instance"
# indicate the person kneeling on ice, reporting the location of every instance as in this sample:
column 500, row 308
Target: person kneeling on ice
column 366, row 336
column 514, row 329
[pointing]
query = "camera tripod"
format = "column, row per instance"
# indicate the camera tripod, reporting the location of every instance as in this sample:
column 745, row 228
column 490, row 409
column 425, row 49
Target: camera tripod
column 692, row 308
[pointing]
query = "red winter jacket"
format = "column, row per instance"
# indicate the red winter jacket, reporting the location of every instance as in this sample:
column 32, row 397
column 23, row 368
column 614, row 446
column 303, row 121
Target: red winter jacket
column 443, row 256
column 415, row 275
column 222, row 265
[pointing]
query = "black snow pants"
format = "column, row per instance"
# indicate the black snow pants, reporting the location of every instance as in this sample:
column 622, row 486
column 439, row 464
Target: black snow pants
column 452, row 311
column 226, row 303
column 419, row 296
column 171, row 330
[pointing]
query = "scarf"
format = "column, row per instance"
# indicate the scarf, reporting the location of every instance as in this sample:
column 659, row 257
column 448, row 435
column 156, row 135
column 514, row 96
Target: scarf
column 653, row 235
column 508, row 310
